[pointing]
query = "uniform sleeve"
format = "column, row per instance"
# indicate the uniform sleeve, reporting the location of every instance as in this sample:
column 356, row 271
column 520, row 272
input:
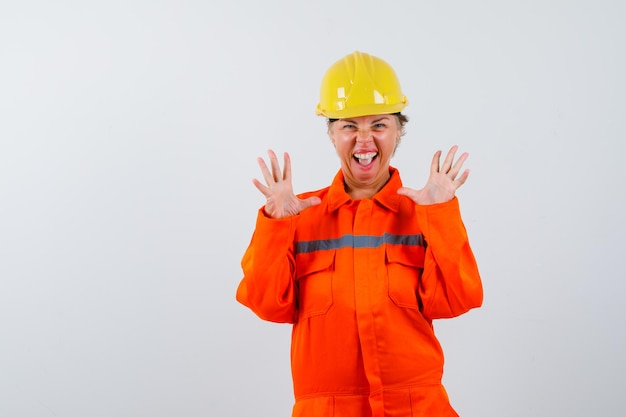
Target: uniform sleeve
column 450, row 283
column 267, row 287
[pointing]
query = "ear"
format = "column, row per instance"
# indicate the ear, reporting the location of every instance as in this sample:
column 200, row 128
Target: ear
column 396, row 147
column 332, row 138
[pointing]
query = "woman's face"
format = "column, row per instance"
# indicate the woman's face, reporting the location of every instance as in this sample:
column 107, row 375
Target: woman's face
column 365, row 146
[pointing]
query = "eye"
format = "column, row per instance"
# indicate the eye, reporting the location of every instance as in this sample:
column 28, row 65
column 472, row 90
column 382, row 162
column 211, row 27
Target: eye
column 348, row 126
column 380, row 126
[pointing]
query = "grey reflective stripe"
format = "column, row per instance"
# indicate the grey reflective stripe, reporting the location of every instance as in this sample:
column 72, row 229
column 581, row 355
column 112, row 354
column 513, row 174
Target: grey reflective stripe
column 359, row 242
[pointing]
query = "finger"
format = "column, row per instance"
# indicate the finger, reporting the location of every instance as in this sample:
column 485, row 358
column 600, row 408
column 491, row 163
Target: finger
column 461, row 180
column 262, row 188
column 309, row 202
column 434, row 166
column 267, row 176
column 275, row 167
column 447, row 163
column 456, row 168
column 287, row 167
column 406, row 191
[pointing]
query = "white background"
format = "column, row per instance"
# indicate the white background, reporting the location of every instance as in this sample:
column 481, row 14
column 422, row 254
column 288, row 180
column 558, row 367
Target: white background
column 129, row 132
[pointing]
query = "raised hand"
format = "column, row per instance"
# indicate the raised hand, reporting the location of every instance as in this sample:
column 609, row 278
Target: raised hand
column 442, row 182
column 281, row 200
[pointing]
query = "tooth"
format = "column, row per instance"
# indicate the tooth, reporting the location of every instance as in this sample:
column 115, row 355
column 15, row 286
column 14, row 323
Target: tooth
column 368, row 155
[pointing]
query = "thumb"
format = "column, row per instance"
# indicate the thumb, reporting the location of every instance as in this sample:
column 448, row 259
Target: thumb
column 404, row 191
column 310, row 202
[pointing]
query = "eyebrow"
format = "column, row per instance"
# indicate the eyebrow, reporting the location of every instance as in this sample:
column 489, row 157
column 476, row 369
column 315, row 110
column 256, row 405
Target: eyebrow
column 386, row 117
column 382, row 118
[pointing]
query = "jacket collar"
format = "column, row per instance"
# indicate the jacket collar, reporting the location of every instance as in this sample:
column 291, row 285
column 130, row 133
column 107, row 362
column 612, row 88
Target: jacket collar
column 387, row 196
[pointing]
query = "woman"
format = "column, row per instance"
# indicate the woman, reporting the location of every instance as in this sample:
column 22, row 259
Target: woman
column 362, row 267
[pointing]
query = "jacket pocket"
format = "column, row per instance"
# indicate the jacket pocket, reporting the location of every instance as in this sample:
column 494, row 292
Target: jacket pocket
column 314, row 278
column 404, row 266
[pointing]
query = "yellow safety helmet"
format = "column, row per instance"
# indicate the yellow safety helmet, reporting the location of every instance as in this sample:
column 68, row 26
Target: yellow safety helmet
column 360, row 84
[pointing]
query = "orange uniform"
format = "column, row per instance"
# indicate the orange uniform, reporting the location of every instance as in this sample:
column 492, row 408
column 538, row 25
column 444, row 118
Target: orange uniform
column 361, row 281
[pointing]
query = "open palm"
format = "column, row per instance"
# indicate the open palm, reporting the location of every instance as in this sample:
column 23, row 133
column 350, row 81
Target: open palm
column 278, row 191
column 443, row 180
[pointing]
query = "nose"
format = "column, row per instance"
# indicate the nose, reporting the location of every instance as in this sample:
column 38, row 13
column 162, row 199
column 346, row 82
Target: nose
column 364, row 135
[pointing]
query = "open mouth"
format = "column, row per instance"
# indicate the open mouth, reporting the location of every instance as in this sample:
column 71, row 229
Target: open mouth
column 365, row 158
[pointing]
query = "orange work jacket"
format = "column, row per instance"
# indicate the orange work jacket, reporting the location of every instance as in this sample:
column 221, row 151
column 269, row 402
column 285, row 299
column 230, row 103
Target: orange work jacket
column 361, row 281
